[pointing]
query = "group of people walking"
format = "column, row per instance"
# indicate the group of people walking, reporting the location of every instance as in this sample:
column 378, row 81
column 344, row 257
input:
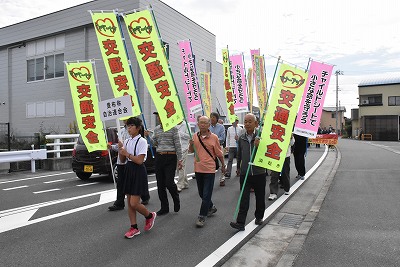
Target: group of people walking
column 172, row 147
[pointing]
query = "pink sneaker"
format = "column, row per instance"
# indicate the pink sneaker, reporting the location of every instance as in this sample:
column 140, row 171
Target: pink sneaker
column 150, row 222
column 132, row 232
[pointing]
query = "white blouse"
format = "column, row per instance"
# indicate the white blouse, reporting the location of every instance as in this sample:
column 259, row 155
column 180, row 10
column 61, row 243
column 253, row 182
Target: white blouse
column 141, row 147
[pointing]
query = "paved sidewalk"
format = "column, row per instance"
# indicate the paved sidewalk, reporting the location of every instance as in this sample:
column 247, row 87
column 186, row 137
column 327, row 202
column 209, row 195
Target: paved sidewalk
column 280, row 240
column 345, row 214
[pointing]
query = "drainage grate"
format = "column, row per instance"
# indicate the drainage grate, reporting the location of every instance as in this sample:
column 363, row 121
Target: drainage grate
column 291, row 220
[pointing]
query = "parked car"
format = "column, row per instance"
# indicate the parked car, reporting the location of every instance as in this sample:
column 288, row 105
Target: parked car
column 85, row 163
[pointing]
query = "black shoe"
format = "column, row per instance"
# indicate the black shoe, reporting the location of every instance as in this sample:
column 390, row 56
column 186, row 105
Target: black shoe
column 237, row 226
column 177, row 206
column 114, row 208
column 177, row 203
column 162, row 212
column 145, row 202
column 259, row 221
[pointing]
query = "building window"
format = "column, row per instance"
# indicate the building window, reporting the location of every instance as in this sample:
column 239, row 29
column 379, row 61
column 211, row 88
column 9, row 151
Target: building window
column 333, row 115
column 49, row 108
column 394, row 101
column 375, row 100
column 45, row 58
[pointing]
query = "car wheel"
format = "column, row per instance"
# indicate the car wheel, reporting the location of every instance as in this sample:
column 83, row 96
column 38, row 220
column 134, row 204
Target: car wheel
column 83, row 175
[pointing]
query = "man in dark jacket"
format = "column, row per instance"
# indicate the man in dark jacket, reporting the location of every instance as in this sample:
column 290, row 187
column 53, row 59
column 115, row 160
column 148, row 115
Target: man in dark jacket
column 256, row 178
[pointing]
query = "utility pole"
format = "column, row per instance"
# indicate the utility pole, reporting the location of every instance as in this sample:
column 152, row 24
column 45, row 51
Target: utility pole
column 337, row 73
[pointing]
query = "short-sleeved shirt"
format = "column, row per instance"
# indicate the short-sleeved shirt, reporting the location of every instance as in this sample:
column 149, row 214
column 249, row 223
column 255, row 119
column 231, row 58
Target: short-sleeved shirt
column 141, row 147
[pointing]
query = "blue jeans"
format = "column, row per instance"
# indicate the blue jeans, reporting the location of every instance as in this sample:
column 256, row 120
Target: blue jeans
column 205, row 186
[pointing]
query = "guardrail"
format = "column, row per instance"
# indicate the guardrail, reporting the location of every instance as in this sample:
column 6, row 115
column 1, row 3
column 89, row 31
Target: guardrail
column 57, row 143
column 24, row 155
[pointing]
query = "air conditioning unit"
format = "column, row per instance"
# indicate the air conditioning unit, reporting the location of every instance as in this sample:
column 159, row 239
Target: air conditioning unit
column 365, row 102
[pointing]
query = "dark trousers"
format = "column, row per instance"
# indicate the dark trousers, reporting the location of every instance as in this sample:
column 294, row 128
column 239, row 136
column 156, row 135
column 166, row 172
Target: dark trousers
column 120, row 202
column 257, row 182
column 205, row 186
column 300, row 162
column 165, row 173
column 284, row 176
column 300, row 147
column 231, row 154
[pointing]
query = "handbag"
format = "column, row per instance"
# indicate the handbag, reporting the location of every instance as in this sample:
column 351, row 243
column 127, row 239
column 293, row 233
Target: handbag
column 215, row 159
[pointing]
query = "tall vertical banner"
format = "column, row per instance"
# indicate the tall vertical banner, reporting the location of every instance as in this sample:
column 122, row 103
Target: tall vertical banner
column 250, row 86
column 190, row 82
column 240, row 86
column 86, row 105
column 254, row 52
column 205, row 90
column 114, row 57
column 154, row 66
column 280, row 117
column 228, row 85
column 261, row 84
column 312, row 103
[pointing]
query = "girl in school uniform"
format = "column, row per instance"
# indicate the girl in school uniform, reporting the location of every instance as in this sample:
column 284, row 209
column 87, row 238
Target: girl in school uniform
column 134, row 150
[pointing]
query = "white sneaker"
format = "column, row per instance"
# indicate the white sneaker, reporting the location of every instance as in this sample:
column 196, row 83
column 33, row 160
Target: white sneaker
column 272, row 197
column 287, row 193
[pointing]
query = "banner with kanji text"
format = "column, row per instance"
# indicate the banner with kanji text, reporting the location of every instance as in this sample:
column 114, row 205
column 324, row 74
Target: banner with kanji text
column 154, row 66
column 114, row 57
column 240, row 86
column 325, row 139
column 279, row 119
column 312, row 103
column 250, row 86
column 189, row 77
column 86, row 104
column 228, row 91
column 205, row 89
column 261, row 83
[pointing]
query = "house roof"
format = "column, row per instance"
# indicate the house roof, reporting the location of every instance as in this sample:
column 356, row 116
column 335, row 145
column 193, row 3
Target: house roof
column 384, row 80
column 333, row 109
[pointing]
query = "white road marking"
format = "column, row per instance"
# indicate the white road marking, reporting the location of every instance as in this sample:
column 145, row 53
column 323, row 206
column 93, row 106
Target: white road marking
column 55, row 181
column 231, row 243
column 87, row 184
column 46, row 191
column 35, row 177
column 8, row 221
column 17, row 187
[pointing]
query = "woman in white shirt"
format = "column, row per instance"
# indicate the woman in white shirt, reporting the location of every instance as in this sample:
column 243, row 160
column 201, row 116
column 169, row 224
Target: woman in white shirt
column 134, row 150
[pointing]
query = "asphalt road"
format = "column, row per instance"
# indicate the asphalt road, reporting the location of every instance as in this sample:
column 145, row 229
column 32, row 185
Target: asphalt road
column 358, row 224
column 55, row 219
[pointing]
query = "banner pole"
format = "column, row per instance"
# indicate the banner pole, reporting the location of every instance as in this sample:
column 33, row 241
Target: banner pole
column 133, row 78
column 254, row 148
column 104, row 128
column 173, row 80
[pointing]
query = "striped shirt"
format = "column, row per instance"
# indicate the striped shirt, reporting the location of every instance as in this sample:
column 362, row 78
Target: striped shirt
column 167, row 141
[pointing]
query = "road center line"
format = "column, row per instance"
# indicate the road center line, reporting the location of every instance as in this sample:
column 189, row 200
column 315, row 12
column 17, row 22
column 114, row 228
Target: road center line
column 17, row 187
column 87, row 184
column 46, row 191
column 55, row 181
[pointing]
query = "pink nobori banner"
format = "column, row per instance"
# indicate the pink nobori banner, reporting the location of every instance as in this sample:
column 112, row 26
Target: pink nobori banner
column 312, row 103
column 190, row 81
column 240, row 84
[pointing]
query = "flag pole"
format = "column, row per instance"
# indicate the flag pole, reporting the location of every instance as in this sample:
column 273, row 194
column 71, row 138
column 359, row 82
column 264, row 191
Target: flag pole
column 254, row 148
column 118, row 15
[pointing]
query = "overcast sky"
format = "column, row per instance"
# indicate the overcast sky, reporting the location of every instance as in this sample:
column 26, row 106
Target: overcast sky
column 361, row 38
